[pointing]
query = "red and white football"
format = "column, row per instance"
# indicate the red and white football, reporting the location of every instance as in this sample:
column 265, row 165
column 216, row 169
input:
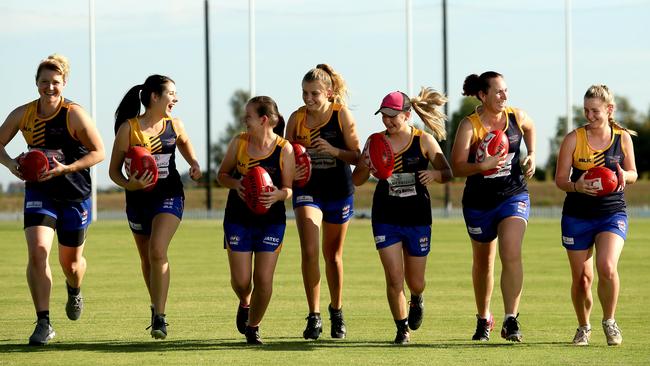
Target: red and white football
column 491, row 144
column 302, row 160
column 33, row 164
column 602, row 178
column 255, row 182
column 380, row 154
column 139, row 160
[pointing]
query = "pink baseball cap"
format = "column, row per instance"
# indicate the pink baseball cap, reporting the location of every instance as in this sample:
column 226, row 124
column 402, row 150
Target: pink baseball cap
column 395, row 103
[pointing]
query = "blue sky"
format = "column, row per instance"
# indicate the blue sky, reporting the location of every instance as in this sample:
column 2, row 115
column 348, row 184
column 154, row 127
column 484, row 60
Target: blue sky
column 364, row 40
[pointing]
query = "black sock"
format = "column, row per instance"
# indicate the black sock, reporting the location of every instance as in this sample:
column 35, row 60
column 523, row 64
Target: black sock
column 402, row 324
column 416, row 299
column 315, row 314
column 71, row 290
column 45, row 314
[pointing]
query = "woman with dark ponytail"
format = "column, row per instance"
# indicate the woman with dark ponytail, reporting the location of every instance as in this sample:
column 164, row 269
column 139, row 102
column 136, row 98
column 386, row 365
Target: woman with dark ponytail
column 154, row 214
column 495, row 205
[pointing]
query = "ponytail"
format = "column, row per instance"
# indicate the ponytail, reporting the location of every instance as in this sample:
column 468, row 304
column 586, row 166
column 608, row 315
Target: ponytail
column 474, row 84
column 129, row 107
column 331, row 79
column 140, row 94
column 425, row 105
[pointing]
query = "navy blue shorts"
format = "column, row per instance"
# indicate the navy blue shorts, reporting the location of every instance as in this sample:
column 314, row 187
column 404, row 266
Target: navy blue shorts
column 580, row 234
column 253, row 238
column 69, row 219
column 416, row 239
column 141, row 214
column 334, row 212
column 482, row 224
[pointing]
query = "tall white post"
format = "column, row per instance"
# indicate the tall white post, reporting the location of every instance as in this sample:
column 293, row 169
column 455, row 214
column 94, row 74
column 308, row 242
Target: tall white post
column 409, row 49
column 569, row 67
column 93, row 103
column 251, row 45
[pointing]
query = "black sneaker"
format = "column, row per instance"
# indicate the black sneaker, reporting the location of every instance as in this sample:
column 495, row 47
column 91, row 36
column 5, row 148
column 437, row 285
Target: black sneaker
column 159, row 327
column 338, row 324
column 75, row 304
column 402, row 336
column 510, row 330
column 416, row 311
column 43, row 333
column 242, row 318
column 253, row 335
column 483, row 328
column 314, row 326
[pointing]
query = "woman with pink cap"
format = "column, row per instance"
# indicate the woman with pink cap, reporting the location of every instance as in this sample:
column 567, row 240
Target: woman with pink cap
column 401, row 207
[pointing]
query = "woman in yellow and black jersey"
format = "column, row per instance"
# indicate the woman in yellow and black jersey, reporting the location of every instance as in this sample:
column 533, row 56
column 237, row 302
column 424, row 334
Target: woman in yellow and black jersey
column 495, row 206
column 254, row 241
column 590, row 221
column 60, row 200
column 325, row 126
column 401, row 207
column 153, row 216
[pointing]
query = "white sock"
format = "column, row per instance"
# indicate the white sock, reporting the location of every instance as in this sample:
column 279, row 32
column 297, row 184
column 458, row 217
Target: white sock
column 586, row 328
column 609, row 321
column 509, row 316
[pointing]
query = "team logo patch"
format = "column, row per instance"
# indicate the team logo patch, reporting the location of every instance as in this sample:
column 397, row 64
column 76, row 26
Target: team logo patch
column 474, row 230
column 304, row 198
column 521, row 207
column 34, row 204
column 345, row 212
column 567, row 240
column 135, row 225
column 380, row 239
column 84, row 217
column 233, row 240
column 621, row 225
column 424, row 243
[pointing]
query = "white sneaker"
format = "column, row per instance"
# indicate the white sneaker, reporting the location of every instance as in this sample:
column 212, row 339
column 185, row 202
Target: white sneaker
column 613, row 333
column 582, row 337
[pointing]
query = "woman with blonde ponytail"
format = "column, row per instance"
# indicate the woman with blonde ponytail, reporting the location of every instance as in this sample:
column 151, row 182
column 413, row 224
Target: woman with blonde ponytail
column 59, row 201
column 595, row 222
column 325, row 126
column 495, row 205
column 401, row 207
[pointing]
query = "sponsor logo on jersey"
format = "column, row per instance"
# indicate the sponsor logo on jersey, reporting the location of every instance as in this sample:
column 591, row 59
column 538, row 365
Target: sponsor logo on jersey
column 34, row 204
column 474, row 230
column 567, row 240
column 584, row 160
column 304, row 198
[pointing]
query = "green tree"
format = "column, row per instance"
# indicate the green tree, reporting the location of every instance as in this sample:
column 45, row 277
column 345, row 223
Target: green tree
column 237, row 109
column 467, row 106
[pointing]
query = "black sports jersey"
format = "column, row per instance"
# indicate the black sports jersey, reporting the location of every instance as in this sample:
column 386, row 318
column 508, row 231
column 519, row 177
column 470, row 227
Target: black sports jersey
column 237, row 211
column 331, row 178
column 163, row 148
column 53, row 136
column 582, row 205
column 402, row 199
column 484, row 192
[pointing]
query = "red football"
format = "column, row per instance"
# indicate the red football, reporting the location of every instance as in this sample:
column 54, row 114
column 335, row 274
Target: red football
column 491, row 144
column 255, row 182
column 139, row 160
column 380, row 153
column 33, row 165
column 602, row 178
column 302, row 159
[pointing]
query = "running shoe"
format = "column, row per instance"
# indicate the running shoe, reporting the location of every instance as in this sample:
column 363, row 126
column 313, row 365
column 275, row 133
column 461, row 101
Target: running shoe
column 483, row 328
column 314, row 326
column 510, row 330
column 43, row 333
column 338, row 324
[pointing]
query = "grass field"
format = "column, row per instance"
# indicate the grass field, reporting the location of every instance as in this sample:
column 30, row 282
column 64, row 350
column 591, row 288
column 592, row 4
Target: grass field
column 201, row 307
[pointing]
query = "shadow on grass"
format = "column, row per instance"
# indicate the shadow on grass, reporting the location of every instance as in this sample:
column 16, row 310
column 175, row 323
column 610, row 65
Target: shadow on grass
column 271, row 344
